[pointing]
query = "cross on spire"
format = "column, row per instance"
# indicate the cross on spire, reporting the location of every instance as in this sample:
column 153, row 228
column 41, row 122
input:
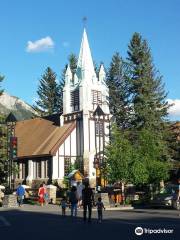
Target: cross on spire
column 84, row 21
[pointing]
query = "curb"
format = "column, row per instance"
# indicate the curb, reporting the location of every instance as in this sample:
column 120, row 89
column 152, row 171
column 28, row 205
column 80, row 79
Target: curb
column 57, row 209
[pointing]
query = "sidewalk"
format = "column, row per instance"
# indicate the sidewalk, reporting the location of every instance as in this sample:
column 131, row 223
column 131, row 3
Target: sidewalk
column 56, row 208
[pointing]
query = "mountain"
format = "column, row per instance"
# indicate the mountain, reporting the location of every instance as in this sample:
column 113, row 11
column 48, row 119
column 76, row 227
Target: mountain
column 15, row 105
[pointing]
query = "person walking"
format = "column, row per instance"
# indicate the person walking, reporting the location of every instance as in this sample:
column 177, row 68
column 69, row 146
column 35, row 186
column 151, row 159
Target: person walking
column 41, row 193
column 100, row 207
column 79, row 193
column 20, row 192
column 63, row 206
column 73, row 199
column 87, row 201
column 46, row 195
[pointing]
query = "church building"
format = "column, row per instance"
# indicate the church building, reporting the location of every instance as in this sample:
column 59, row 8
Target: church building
column 48, row 149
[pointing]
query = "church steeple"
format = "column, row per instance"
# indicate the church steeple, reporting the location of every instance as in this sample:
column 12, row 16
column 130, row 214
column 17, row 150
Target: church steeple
column 85, row 67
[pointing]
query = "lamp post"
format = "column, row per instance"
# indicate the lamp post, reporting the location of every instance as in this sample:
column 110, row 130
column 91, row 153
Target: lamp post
column 11, row 123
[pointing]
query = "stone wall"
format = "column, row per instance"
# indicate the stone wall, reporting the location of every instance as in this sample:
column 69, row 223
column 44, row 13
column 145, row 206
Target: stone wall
column 9, row 201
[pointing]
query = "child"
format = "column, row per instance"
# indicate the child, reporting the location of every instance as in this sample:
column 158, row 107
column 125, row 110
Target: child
column 100, row 206
column 63, row 206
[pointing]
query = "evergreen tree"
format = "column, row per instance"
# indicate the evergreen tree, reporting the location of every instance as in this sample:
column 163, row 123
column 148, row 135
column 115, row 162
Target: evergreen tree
column 147, row 91
column 48, row 93
column 173, row 141
column 118, row 84
column 1, row 79
column 61, row 86
column 149, row 128
column 73, row 64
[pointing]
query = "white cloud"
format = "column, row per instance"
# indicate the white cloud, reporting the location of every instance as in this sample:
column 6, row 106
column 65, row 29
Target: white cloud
column 65, row 44
column 41, row 45
column 174, row 111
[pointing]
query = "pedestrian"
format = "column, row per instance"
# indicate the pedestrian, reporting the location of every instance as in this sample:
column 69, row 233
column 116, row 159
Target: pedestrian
column 79, row 193
column 73, row 199
column 100, row 207
column 20, row 192
column 63, row 206
column 87, row 201
column 41, row 192
column 46, row 195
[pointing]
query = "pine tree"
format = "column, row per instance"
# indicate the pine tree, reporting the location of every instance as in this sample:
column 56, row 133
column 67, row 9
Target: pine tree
column 148, row 99
column 72, row 59
column 148, row 94
column 48, row 93
column 118, row 84
column 1, row 79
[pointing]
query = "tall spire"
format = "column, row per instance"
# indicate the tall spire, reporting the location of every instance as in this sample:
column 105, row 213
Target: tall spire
column 85, row 67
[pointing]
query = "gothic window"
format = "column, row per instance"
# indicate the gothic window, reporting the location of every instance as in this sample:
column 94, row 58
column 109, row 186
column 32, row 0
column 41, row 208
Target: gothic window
column 96, row 97
column 67, row 165
column 75, row 100
column 99, row 126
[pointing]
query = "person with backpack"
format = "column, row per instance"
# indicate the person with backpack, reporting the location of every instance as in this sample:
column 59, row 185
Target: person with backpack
column 73, row 199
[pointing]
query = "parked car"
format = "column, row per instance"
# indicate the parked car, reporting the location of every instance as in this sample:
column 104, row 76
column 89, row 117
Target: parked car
column 166, row 198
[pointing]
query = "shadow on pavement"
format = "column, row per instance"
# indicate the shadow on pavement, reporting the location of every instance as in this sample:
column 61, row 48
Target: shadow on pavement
column 46, row 225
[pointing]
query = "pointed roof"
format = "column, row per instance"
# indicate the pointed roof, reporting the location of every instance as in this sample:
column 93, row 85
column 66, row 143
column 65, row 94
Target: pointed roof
column 68, row 72
column 68, row 75
column 102, row 71
column 11, row 118
column 102, row 74
column 85, row 67
column 98, row 111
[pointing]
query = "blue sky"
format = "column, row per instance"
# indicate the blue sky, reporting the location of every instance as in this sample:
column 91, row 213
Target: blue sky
column 110, row 27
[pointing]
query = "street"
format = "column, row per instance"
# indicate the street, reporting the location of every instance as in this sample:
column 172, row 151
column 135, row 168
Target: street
column 33, row 222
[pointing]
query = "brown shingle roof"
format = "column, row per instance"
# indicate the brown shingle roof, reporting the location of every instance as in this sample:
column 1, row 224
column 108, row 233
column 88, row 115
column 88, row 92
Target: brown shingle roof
column 38, row 137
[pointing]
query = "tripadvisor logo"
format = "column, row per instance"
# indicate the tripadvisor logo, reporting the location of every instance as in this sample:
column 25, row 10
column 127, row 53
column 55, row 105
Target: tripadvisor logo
column 139, row 231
